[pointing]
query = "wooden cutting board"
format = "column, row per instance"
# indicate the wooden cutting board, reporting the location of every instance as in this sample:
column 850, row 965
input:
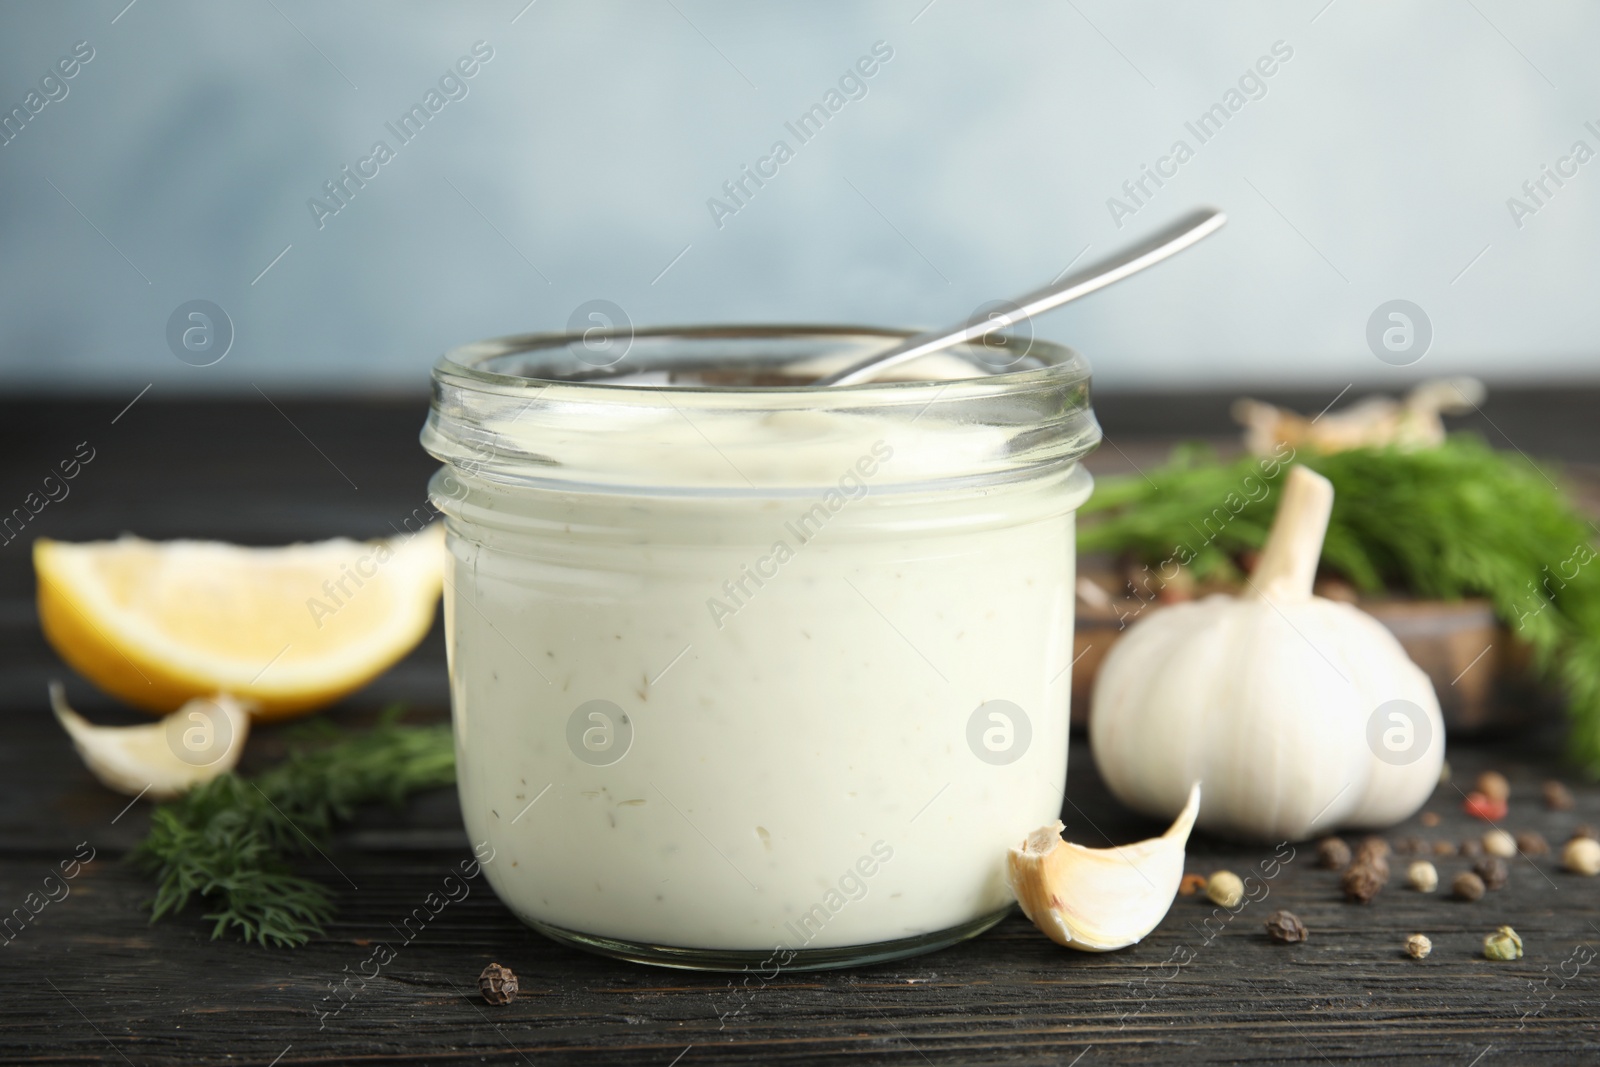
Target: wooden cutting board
column 1478, row 669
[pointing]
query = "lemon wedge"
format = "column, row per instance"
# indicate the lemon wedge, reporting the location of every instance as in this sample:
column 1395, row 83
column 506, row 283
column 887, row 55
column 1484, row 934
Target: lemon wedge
column 194, row 744
column 287, row 630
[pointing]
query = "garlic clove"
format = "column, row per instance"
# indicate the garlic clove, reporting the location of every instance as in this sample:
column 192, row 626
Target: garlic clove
column 194, row 744
column 1099, row 899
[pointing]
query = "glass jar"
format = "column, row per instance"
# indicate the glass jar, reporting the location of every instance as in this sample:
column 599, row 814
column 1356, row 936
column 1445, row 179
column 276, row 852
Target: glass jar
column 747, row 672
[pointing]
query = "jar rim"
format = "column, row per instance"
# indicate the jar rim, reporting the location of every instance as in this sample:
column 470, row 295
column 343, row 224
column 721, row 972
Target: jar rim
column 540, row 410
column 1052, row 363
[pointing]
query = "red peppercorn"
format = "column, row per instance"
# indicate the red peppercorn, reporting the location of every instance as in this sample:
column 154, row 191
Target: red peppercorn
column 1481, row 806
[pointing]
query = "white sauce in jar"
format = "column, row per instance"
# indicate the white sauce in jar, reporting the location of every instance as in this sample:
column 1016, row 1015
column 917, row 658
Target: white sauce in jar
column 795, row 743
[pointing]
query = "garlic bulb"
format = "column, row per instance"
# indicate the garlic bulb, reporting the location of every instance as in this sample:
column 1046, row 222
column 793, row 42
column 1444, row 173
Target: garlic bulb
column 194, row 744
column 1099, row 899
column 1299, row 714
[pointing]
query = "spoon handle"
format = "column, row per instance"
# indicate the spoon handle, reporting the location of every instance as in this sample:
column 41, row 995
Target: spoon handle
column 1169, row 242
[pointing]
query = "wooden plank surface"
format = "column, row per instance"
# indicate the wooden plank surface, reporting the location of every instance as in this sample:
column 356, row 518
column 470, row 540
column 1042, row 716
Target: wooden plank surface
column 88, row 981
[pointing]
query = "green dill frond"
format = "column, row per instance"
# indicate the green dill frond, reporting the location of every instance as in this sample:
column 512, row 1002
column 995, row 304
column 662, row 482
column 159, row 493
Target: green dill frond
column 227, row 844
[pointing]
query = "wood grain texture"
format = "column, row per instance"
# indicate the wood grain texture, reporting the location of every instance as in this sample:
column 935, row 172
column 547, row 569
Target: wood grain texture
column 87, row 980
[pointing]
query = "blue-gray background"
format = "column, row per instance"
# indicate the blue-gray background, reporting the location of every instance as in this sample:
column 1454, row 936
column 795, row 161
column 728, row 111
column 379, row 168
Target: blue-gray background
column 1377, row 165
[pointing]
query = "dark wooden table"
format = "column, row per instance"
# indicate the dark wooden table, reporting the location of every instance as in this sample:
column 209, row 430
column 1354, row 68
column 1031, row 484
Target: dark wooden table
column 88, row 980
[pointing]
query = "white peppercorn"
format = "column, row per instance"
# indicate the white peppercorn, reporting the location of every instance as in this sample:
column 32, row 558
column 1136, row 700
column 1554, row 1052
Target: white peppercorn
column 1582, row 854
column 1499, row 843
column 1225, row 888
column 1422, row 876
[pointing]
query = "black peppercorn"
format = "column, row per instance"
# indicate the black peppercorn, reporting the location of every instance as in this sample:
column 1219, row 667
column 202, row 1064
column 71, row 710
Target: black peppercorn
column 1362, row 882
column 1333, row 853
column 1467, row 886
column 1286, row 928
column 1492, row 869
column 1372, row 848
column 1532, row 843
column 498, row 984
column 1493, row 785
column 1376, row 864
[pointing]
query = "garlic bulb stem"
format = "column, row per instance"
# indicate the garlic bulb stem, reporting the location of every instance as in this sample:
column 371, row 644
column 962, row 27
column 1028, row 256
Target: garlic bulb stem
column 1288, row 565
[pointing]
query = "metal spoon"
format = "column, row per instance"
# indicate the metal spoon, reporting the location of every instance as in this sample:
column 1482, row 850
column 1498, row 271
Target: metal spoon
column 1169, row 242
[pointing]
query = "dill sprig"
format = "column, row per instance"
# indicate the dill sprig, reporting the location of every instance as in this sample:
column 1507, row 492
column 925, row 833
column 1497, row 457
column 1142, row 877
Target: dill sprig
column 1453, row 521
column 229, row 842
